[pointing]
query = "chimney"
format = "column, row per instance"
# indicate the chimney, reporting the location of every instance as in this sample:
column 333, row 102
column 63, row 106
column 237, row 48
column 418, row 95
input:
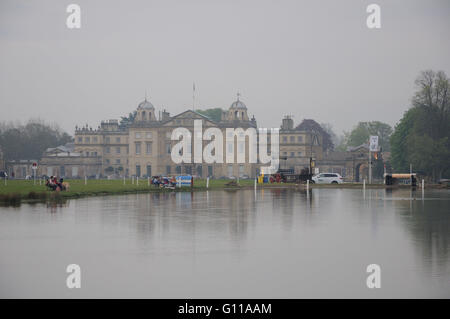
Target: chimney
column 288, row 123
column 165, row 115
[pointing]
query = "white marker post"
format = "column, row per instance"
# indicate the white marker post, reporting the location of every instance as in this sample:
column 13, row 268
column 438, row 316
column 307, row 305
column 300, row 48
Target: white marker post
column 255, row 183
column 423, row 188
column 364, row 188
column 148, row 181
column 85, row 180
column 137, row 180
column 123, row 179
column 207, row 182
column 307, row 185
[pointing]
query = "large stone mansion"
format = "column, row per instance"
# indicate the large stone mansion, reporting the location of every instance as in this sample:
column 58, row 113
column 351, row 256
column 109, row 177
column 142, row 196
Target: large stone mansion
column 141, row 146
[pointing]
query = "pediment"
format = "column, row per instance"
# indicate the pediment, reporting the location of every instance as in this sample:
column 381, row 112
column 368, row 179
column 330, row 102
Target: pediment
column 187, row 119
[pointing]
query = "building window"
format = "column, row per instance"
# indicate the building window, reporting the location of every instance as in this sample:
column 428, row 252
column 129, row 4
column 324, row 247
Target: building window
column 138, row 148
column 285, row 153
column 117, row 150
column 117, row 139
column 299, row 153
column 210, row 170
column 241, row 170
column 241, row 146
column 178, row 169
column 199, row 170
column 138, row 135
column 80, row 139
column 230, row 170
column 299, row 139
column 188, row 170
column 95, row 139
column 168, row 148
column 107, row 161
column 108, row 150
column 87, row 139
column 118, row 161
column 292, row 154
column 284, row 139
column 138, row 170
column 87, row 153
column 107, row 140
column 168, row 169
column 230, row 148
column 148, row 148
column 292, row 139
column 149, row 170
column 148, row 135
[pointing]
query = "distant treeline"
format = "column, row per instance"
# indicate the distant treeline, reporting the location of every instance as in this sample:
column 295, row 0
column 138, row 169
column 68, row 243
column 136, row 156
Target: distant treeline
column 30, row 140
column 422, row 137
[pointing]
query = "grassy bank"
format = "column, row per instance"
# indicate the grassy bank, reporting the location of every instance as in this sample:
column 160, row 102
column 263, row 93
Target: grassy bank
column 17, row 191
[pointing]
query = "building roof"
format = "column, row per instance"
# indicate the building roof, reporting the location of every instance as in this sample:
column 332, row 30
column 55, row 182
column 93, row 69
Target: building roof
column 309, row 125
column 238, row 105
column 146, row 105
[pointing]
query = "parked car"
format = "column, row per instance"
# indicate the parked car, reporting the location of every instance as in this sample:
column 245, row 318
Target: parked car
column 327, row 178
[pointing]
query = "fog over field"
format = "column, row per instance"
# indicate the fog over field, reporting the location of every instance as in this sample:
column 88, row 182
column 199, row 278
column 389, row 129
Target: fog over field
column 309, row 59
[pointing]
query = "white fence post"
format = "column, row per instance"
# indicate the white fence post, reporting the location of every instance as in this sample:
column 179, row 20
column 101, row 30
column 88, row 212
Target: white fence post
column 207, row 182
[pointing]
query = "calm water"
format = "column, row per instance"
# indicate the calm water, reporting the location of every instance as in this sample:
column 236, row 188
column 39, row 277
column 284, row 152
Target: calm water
column 270, row 244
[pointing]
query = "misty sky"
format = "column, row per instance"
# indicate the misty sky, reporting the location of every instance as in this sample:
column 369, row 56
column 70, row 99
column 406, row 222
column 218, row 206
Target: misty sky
column 309, row 59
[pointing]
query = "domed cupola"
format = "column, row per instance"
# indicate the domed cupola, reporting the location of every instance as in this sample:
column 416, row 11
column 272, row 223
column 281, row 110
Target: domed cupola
column 238, row 105
column 146, row 111
column 238, row 110
column 146, row 105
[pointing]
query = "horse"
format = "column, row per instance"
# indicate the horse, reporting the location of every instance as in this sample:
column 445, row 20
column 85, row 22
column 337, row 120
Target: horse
column 65, row 186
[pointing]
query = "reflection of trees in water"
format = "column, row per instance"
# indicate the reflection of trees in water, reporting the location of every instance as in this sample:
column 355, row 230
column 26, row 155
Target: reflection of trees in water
column 429, row 223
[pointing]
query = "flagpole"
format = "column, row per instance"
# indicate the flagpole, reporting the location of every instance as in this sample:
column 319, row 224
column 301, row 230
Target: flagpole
column 193, row 96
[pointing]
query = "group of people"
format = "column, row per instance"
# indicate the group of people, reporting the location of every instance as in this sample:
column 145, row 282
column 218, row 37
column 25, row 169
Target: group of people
column 161, row 181
column 55, row 185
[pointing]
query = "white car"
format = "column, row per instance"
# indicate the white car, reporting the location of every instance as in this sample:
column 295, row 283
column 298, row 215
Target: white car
column 328, row 178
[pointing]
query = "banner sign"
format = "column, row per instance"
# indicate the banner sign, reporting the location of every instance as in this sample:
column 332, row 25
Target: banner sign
column 184, row 180
column 373, row 143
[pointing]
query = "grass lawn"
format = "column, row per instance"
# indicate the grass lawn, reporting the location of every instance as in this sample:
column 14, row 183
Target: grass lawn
column 17, row 190
column 25, row 189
